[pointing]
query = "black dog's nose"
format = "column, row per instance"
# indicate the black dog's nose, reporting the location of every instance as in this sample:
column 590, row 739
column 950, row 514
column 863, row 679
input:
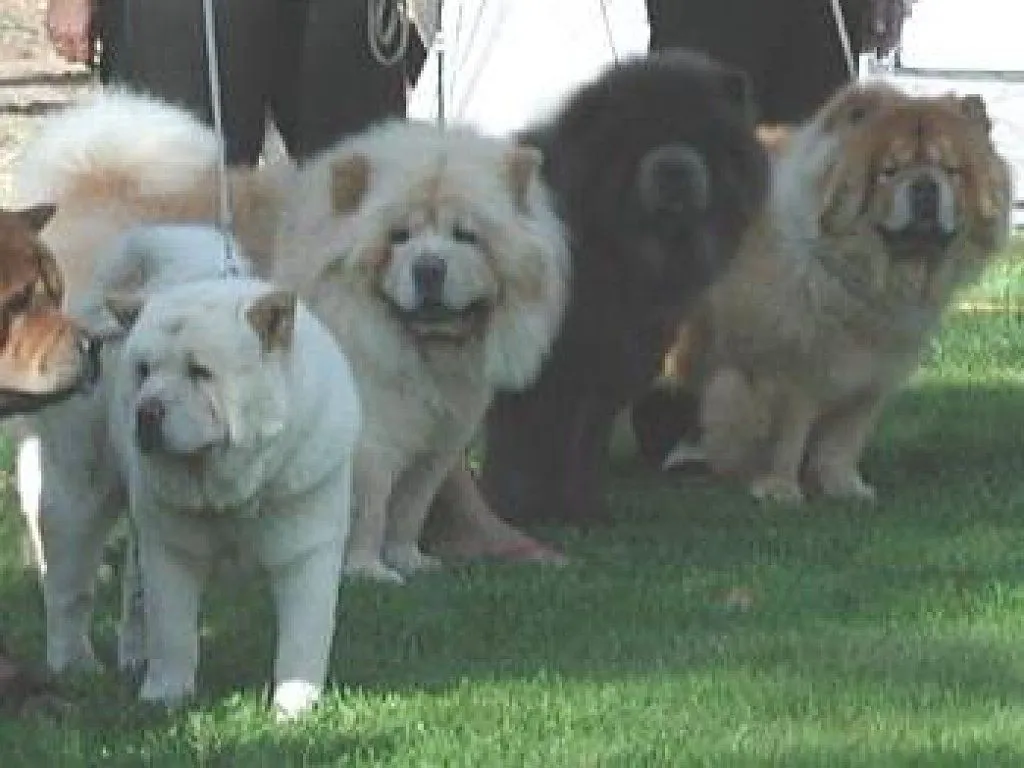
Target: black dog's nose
column 149, row 417
column 428, row 275
column 924, row 200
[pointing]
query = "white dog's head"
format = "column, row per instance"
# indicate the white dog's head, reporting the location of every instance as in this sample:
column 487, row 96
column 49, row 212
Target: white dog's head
column 451, row 231
column 200, row 367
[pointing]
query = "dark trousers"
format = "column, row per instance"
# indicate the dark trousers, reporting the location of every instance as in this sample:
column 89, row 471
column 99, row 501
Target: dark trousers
column 790, row 49
column 306, row 62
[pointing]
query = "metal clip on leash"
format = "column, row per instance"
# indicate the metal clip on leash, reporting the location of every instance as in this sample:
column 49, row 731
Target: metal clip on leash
column 224, row 208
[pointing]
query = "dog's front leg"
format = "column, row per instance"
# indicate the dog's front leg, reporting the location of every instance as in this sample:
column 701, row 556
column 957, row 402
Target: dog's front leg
column 303, row 549
column 836, row 445
column 794, row 413
column 372, row 482
column 174, row 564
column 410, row 502
column 74, row 531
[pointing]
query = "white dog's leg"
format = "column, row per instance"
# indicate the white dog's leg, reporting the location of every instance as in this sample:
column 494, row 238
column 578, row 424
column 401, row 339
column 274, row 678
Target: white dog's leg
column 74, row 529
column 29, row 481
column 172, row 582
column 131, row 636
column 305, row 598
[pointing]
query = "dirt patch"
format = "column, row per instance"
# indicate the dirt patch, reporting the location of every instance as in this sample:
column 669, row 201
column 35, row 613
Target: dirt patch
column 33, row 81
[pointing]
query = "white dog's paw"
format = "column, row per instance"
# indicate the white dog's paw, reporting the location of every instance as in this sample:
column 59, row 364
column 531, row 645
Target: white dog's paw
column 161, row 689
column 778, row 490
column 75, row 656
column 843, row 483
column 408, row 559
column 372, row 568
column 131, row 654
column 294, row 698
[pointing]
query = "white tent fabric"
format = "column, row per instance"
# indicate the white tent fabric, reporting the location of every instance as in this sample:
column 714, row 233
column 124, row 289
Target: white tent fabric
column 508, row 61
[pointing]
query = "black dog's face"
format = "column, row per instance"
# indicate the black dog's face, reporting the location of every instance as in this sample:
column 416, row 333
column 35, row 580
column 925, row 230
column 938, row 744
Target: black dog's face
column 660, row 172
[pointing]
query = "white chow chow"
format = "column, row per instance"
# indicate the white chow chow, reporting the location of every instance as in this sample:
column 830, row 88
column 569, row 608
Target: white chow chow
column 226, row 413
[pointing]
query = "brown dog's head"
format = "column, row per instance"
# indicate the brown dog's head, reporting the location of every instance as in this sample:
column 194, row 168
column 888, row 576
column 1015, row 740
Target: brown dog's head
column 44, row 355
column 916, row 177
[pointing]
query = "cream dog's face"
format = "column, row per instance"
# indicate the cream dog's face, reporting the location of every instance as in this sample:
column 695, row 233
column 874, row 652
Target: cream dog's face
column 439, row 246
column 438, row 274
column 201, row 372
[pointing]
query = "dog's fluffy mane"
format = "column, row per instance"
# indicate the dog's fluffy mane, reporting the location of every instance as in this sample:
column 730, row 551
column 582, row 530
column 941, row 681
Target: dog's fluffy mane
column 527, row 241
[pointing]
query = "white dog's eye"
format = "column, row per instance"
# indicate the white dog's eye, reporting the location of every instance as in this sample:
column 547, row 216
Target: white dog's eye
column 399, row 235
column 199, row 372
column 141, row 371
column 465, row 236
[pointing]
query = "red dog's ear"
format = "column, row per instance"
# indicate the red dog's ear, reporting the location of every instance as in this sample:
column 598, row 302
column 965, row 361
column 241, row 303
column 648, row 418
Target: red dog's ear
column 38, row 216
column 973, row 107
column 350, row 178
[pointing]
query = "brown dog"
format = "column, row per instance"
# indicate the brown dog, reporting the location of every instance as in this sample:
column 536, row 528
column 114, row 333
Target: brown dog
column 44, row 357
column 882, row 207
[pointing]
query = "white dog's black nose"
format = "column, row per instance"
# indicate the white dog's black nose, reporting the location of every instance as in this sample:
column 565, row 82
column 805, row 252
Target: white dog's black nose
column 428, row 273
column 149, row 418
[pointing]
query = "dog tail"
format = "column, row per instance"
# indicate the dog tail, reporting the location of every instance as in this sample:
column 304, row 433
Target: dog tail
column 120, row 144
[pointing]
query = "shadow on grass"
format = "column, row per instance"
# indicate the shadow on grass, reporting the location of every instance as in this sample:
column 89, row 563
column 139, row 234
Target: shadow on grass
column 899, row 606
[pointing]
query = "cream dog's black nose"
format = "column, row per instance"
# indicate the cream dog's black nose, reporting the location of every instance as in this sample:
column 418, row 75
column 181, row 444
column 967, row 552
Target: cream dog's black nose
column 428, row 275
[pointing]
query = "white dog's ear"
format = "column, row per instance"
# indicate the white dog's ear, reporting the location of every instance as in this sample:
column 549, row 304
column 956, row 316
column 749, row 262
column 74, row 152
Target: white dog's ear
column 521, row 164
column 272, row 316
column 125, row 307
column 350, row 178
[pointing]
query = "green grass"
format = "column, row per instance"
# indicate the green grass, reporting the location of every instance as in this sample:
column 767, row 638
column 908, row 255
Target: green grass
column 697, row 629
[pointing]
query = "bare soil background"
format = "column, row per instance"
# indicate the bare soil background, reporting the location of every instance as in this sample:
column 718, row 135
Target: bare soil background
column 33, row 81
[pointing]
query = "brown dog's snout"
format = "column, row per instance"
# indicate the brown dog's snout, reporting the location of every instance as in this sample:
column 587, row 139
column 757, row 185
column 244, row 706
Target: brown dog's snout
column 149, row 418
column 428, row 275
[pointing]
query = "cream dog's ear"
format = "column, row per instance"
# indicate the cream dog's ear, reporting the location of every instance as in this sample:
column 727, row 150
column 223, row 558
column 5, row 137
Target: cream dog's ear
column 125, row 307
column 272, row 316
column 521, row 164
column 350, row 178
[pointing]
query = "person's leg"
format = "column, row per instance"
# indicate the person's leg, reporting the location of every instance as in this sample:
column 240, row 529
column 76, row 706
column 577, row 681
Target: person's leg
column 159, row 46
column 338, row 88
column 790, row 49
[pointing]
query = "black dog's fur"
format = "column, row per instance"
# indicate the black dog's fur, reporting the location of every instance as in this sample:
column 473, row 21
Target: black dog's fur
column 649, row 233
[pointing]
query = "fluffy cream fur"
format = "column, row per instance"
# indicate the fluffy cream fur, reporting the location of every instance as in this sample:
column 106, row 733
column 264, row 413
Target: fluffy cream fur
column 425, row 376
column 362, row 217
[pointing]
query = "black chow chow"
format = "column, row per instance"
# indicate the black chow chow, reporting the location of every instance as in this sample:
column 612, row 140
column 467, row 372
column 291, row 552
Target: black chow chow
column 656, row 170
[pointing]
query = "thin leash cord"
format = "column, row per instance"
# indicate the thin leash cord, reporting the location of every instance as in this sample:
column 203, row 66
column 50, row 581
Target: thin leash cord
column 608, row 30
column 844, row 38
column 440, row 44
column 224, row 208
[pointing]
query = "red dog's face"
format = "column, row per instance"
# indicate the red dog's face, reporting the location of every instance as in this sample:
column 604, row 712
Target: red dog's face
column 44, row 355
